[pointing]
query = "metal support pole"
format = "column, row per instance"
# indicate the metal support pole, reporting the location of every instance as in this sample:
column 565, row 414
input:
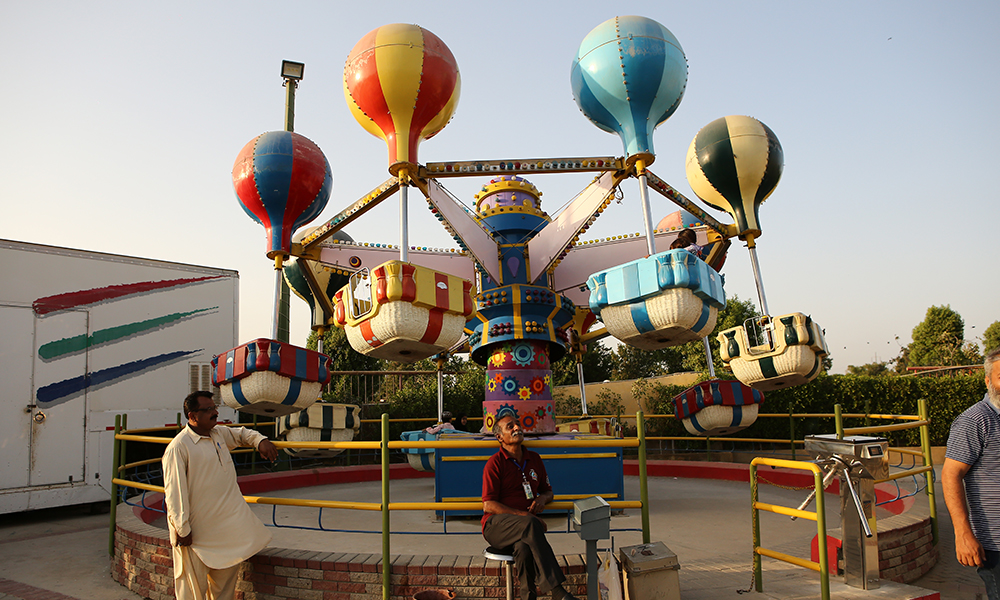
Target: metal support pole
column 647, row 217
column 643, row 484
column 583, row 387
column 708, row 357
column 115, row 463
column 440, row 381
column 752, row 246
column 791, row 432
column 282, row 331
column 278, row 280
column 404, row 225
column 839, row 420
column 593, row 593
column 386, row 562
column 925, row 447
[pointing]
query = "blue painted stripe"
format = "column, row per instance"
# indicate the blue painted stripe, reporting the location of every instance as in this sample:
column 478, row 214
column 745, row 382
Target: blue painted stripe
column 301, row 362
column 640, row 318
column 425, row 461
column 737, row 416
column 696, row 424
column 60, row 391
column 230, row 361
column 237, row 391
column 706, row 312
column 272, row 171
column 274, row 356
column 294, row 386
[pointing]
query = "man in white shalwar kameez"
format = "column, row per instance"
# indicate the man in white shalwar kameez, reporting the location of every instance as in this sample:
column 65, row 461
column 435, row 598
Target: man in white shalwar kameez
column 212, row 530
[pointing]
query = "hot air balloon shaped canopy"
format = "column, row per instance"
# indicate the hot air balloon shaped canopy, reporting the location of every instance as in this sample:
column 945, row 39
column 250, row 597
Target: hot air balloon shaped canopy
column 628, row 77
column 282, row 180
column 733, row 164
column 402, row 84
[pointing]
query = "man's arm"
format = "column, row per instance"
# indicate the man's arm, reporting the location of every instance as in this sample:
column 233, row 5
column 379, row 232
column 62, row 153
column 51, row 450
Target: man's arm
column 176, row 495
column 249, row 437
column 967, row 548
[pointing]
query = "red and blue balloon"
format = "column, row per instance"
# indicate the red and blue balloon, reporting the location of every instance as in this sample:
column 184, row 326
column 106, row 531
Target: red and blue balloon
column 283, row 181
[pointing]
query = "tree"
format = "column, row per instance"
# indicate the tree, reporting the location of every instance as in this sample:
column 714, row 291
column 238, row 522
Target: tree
column 939, row 340
column 874, row 369
column 598, row 364
column 991, row 337
column 736, row 312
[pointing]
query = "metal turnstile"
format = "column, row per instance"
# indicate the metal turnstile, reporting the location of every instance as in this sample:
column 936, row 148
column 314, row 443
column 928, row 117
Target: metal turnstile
column 859, row 461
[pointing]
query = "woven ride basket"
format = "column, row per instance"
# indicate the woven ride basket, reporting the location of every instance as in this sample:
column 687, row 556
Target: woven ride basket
column 674, row 315
column 321, row 422
column 268, row 394
column 401, row 327
column 718, row 420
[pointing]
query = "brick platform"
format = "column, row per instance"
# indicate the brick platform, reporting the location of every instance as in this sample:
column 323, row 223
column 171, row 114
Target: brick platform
column 143, row 564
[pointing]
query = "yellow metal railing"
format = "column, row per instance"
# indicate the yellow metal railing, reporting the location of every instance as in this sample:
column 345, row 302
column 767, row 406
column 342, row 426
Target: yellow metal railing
column 823, row 566
column 385, row 506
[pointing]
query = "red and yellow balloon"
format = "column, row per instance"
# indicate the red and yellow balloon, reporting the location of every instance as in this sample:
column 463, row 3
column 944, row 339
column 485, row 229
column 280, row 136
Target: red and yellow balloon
column 402, row 84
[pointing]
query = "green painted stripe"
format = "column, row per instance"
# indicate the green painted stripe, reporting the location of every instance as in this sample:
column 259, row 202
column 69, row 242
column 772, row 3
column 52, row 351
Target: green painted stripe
column 79, row 343
column 715, row 157
column 775, row 164
column 791, row 337
column 767, row 367
column 815, row 368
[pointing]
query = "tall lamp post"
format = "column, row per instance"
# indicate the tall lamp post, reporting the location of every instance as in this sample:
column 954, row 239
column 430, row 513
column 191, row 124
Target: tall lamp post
column 291, row 73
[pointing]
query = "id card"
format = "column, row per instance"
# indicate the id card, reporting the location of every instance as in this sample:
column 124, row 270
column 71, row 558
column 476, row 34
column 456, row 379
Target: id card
column 527, row 491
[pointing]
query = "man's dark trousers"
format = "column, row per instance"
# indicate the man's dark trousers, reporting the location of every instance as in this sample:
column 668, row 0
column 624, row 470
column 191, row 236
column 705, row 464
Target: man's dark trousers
column 536, row 563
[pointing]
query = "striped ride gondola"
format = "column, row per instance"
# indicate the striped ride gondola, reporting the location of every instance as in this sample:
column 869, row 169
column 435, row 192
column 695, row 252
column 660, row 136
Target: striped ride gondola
column 716, row 407
column 321, row 422
column 403, row 312
column 791, row 353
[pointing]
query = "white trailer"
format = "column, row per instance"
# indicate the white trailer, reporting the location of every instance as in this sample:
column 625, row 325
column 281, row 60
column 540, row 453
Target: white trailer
column 85, row 336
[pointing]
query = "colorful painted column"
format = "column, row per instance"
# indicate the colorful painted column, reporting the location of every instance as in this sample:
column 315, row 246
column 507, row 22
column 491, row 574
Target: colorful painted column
column 520, row 324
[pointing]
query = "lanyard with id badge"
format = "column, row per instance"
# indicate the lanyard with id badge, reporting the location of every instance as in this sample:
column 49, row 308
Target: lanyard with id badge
column 530, row 495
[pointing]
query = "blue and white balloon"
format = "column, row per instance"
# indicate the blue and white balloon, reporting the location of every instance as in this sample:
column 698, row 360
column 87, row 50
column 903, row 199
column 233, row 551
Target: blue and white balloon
column 629, row 76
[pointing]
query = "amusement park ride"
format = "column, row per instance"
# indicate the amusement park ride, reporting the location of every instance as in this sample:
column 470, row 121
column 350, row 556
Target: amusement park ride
column 522, row 288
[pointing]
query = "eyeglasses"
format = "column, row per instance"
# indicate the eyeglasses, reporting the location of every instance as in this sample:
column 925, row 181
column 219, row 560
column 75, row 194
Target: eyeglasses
column 207, row 409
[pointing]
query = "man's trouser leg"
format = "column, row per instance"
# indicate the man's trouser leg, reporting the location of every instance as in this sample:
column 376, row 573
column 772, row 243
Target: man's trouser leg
column 198, row 582
column 989, row 571
column 536, row 563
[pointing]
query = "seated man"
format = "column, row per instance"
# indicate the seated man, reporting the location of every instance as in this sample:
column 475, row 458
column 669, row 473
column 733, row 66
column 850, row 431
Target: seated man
column 515, row 490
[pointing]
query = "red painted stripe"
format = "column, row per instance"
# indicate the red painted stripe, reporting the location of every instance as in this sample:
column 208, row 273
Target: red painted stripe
column 467, row 308
column 441, row 296
column 362, row 82
column 439, row 78
column 409, row 285
column 434, row 322
column 308, row 174
column 49, row 304
column 381, row 295
column 245, row 183
column 366, row 331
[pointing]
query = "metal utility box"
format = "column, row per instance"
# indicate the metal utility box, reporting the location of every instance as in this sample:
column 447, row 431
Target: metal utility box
column 860, row 461
column 650, row 572
column 592, row 518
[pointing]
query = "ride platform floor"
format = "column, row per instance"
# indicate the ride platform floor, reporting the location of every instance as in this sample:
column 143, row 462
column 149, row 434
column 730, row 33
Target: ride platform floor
column 62, row 553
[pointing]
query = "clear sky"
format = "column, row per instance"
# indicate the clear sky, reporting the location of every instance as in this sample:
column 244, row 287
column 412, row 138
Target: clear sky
column 120, row 122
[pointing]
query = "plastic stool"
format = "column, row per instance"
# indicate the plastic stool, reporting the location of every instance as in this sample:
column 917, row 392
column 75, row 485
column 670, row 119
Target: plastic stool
column 506, row 556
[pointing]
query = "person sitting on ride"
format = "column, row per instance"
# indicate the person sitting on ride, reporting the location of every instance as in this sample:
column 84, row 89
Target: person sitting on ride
column 444, row 424
column 686, row 239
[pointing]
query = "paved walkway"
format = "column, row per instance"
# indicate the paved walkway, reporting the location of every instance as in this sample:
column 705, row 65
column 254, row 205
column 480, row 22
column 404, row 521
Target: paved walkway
column 61, row 554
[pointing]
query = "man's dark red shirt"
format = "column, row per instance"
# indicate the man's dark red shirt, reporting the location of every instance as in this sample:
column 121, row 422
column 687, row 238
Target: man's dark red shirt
column 504, row 477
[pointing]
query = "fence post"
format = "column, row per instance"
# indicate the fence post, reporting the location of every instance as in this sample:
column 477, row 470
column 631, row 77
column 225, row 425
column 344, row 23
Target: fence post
column 824, row 562
column 925, row 447
column 839, row 421
column 791, row 432
column 115, row 462
column 755, row 518
column 386, row 562
column 643, row 484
